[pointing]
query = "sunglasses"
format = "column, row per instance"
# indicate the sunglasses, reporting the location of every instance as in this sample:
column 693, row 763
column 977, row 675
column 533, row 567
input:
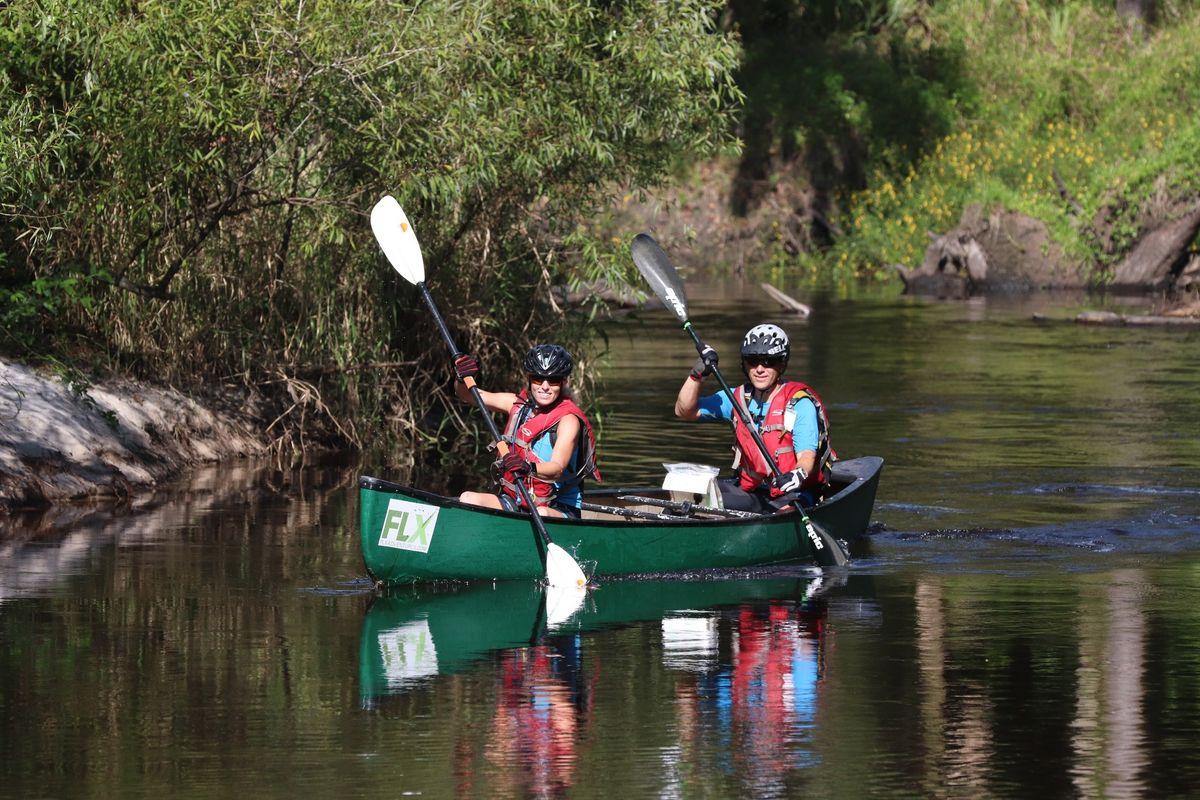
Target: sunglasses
column 774, row 362
column 553, row 380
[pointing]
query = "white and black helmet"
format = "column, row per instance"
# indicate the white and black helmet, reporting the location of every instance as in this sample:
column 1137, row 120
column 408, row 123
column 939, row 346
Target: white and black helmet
column 548, row 361
column 768, row 341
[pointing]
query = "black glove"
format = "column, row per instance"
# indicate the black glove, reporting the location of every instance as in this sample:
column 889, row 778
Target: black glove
column 790, row 482
column 466, row 366
column 513, row 463
column 705, row 364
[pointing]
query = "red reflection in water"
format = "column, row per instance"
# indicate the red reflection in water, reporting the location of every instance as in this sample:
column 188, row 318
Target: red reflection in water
column 753, row 709
column 746, row 703
column 541, row 700
column 776, row 674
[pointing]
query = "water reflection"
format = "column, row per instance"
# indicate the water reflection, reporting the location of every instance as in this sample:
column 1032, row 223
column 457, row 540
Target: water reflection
column 988, row 725
column 42, row 551
column 411, row 635
column 744, row 658
column 543, row 700
column 957, row 729
column 1025, row 626
column 760, row 701
column 1109, row 730
column 33, row 567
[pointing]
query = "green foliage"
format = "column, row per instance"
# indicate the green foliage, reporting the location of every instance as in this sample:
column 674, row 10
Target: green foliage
column 1071, row 93
column 29, row 306
column 209, row 168
column 840, row 89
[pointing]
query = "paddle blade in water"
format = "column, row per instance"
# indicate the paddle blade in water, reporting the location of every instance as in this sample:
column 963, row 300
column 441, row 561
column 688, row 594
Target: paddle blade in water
column 660, row 273
column 562, row 603
column 397, row 239
column 827, row 551
column 562, row 571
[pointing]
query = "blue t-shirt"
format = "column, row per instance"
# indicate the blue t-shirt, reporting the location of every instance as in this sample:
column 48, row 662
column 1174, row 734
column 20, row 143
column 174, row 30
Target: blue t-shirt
column 544, row 449
column 804, row 429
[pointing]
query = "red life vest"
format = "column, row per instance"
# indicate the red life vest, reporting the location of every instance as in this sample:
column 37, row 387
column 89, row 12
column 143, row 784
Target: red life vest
column 753, row 470
column 526, row 424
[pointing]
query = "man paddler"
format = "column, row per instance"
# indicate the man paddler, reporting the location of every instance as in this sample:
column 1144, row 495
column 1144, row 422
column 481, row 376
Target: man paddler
column 788, row 415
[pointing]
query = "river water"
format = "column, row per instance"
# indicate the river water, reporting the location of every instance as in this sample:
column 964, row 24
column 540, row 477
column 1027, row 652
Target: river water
column 1022, row 621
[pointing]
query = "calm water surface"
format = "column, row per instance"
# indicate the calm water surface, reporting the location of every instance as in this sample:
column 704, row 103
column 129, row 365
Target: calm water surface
column 1022, row 622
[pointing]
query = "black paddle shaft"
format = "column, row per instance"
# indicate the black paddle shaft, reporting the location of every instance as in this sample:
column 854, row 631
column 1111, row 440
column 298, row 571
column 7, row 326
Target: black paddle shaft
column 501, row 445
column 656, row 267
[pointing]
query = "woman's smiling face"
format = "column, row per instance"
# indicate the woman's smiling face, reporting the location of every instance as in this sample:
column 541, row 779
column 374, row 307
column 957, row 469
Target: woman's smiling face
column 544, row 390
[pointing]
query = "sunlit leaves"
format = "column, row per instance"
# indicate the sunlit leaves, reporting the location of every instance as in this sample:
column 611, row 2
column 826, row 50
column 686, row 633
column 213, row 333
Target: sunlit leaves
column 1069, row 94
column 218, row 161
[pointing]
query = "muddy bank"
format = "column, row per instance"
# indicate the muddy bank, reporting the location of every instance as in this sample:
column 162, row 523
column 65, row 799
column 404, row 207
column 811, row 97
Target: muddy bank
column 998, row 251
column 696, row 224
column 61, row 440
column 991, row 250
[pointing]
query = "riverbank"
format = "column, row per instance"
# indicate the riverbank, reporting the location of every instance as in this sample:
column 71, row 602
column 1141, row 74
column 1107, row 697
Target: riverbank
column 62, row 441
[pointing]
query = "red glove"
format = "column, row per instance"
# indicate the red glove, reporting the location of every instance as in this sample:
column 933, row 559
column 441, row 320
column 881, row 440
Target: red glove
column 513, row 463
column 466, row 366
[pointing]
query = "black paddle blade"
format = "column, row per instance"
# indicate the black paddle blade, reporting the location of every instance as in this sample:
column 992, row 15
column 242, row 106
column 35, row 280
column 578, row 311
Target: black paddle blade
column 660, row 273
column 827, row 551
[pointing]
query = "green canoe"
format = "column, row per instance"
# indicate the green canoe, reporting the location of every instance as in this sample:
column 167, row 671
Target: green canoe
column 411, row 635
column 409, row 535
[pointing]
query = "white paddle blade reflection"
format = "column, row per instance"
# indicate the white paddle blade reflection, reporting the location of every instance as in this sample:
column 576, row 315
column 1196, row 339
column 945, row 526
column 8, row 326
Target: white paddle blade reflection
column 562, row 603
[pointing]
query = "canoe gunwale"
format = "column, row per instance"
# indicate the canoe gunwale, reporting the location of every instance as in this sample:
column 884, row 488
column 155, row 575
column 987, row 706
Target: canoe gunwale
column 854, row 473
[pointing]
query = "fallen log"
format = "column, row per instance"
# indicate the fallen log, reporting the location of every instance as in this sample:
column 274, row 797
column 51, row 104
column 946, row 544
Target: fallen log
column 1135, row 320
column 789, row 303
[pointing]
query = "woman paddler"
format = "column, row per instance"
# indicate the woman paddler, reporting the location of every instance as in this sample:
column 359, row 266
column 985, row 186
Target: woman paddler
column 552, row 445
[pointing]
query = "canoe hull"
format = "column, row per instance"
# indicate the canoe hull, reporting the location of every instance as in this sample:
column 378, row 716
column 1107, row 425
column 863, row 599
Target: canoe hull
column 409, row 535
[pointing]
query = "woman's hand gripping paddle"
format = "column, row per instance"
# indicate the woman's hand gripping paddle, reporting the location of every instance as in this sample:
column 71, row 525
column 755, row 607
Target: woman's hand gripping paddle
column 660, row 273
column 399, row 243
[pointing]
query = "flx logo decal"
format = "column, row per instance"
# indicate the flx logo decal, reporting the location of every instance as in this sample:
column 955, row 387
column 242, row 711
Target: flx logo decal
column 408, row 526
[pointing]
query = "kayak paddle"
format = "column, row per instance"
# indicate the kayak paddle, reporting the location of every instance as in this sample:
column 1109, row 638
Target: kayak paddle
column 659, row 272
column 399, row 243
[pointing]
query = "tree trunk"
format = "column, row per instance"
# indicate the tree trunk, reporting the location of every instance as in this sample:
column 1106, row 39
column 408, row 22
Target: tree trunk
column 1138, row 14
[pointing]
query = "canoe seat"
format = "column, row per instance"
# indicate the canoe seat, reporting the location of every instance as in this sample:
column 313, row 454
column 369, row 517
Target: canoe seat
column 693, row 483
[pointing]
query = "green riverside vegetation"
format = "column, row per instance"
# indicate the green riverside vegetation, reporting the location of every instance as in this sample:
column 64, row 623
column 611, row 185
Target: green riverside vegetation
column 184, row 186
column 1004, row 96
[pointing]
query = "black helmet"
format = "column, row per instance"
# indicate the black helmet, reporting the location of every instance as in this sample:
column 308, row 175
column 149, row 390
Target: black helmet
column 548, row 361
column 768, row 341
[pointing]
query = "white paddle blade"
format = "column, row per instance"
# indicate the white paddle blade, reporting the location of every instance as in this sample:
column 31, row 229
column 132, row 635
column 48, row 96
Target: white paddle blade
column 397, row 239
column 562, row 604
column 562, row 571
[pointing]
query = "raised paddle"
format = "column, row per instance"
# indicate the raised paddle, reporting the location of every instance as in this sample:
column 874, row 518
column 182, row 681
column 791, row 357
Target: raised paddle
column 658, row 271
column 399, row 243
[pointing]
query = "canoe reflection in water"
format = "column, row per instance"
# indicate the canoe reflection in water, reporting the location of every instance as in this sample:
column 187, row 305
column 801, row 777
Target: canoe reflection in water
column 745, row 659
